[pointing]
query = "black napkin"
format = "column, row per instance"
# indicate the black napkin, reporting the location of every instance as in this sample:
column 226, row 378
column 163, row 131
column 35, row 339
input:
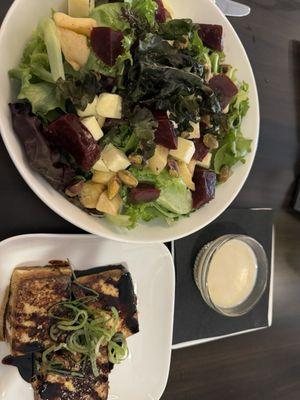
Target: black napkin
column 194, row 319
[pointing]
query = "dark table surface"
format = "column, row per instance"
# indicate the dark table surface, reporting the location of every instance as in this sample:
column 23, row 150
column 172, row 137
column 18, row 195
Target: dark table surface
column 258, row 366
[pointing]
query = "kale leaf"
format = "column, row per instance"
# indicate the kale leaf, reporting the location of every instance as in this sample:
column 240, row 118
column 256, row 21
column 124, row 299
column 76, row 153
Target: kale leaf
column 80, row 91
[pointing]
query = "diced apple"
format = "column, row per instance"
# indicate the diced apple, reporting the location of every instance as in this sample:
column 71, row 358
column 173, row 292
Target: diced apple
column 90, row 193
column 74, row 47
column 111, row 207
column 185, row 150
column 82, row 26
column 80, row 8
column 100, row 166
column 114, row 159
column 109, row 106
column 92, row 125
column 102, row 177
column 90, row 110
column 195, row 134
column 186, row 175
column 205, row 163
column 159, row 160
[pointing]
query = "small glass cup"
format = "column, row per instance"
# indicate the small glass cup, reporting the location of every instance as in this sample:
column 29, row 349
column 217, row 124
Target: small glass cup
column 201, row 270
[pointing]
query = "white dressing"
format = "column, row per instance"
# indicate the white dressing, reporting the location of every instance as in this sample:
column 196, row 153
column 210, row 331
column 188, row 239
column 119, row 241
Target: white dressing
column 232, row 274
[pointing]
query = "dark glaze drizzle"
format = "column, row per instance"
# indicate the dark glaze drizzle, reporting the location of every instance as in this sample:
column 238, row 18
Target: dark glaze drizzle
column 125, row 303
column 25, row 365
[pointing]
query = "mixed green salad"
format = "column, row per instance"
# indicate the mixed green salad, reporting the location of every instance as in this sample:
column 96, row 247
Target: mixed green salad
column 131, row 114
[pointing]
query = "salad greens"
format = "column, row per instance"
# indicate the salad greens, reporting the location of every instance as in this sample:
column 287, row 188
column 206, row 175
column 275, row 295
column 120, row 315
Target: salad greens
column 41, row 65
column 175, row 198
column 131, row 114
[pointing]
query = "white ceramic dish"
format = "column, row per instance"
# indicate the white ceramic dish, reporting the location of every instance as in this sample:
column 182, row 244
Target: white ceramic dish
column 143, row 376
column 16, row 30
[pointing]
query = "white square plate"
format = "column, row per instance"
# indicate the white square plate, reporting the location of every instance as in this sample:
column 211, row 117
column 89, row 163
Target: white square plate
column 143, row 376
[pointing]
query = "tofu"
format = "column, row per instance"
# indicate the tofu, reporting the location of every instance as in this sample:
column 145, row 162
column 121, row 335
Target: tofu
column 115, row 286
column 90, row 110
column 195, row 134
column 110, row 106
column 185, row 150
column 92, row 125
column 186, row 175
column 205, row 163
column 74, row 47
column 114, row 159
column 83, row 26
column 70, row 387
column 33, row 290
column 158, row 162
column 80, row 8
column 100, row 166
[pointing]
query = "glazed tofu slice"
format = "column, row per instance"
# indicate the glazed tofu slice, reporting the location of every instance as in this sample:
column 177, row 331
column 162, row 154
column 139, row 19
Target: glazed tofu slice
column 115, row 288
column 33, row 290
column 57, row 387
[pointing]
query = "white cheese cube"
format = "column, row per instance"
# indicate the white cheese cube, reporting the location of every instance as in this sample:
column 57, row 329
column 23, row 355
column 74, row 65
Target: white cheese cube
column 159, row 160
column 196, row 131
column 100, row 166
column 205, row 163
column 80, row 8
column 185, row 150
column 101, row 120
column 92, row 125
column 90, row 109
column 110, row 106
column 114, row 159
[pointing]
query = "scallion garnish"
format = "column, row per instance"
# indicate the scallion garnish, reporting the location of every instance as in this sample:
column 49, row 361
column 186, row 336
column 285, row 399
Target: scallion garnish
column 84, row 330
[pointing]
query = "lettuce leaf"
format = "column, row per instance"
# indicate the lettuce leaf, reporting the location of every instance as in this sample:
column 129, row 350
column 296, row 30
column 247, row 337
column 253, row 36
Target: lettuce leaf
column 175, row 199
column 35, row 75
column 234, row 146
column 41, row 157
column 144, row 8
column 110, row 15
column 42, row 96
column 53, row 48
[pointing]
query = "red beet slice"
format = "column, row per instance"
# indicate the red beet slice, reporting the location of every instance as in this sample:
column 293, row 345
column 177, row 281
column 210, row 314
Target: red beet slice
column 72, row 136
column 107, row 44
column 161, row 13
column 224, row 88
column 144, row 193
column 205, row 182
column 211, row 36
column 201, row 150
column 165, row 134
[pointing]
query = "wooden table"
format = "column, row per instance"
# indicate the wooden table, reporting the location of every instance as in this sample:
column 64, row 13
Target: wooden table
column 258, row 366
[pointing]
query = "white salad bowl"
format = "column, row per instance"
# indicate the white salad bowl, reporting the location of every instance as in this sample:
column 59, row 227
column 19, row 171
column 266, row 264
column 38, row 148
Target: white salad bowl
column 17, row 28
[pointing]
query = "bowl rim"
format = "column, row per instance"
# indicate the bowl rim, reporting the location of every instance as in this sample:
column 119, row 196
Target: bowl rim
column 168, row 236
